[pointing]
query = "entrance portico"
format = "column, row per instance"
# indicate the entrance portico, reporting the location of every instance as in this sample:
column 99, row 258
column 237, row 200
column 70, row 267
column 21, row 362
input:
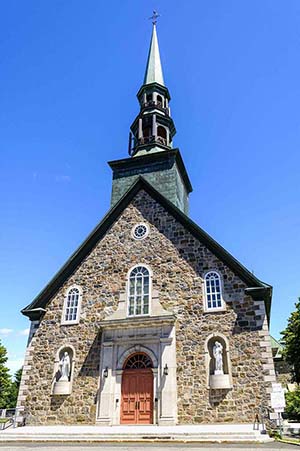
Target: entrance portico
column 125, row 397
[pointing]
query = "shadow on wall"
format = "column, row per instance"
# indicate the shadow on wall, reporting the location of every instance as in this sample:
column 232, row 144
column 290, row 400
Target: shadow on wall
column 57, row 401
column 217, row 396
column 90, row 366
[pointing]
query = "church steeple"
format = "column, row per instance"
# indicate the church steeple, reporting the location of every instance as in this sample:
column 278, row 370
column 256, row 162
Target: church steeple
column 150, row 141
column 153, row 129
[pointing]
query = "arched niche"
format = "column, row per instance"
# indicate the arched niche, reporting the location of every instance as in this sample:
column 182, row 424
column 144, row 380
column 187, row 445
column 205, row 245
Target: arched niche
column 218, row 365
column 63, row 370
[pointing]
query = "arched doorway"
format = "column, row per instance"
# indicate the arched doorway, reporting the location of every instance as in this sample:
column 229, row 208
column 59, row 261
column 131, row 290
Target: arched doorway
column 137, row 390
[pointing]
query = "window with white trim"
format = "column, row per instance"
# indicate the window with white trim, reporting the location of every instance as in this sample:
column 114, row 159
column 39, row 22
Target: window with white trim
column 213, row 291
column 139, row 291
column 140, row 231
column 71, row 307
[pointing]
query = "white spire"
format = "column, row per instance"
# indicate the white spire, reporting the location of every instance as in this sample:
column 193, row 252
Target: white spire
column 154, row 72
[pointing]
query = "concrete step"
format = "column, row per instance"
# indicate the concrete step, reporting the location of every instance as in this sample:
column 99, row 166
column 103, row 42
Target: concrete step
column 182, row 433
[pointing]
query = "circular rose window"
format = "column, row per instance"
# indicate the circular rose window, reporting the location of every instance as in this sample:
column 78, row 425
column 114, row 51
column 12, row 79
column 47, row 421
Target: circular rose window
column 140, row 231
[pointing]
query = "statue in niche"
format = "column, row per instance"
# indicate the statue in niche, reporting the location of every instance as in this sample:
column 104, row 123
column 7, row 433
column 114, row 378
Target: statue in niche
column 218, row 355
column 65, row 367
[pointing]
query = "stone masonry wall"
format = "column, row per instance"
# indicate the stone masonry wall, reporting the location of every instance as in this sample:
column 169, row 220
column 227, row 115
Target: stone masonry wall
column 178, row 262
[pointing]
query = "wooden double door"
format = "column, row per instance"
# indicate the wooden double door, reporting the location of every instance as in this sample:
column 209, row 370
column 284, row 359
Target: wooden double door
column 137, row 396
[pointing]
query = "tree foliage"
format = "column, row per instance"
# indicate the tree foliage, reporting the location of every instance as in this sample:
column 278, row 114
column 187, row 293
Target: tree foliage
column 293, row 404
column 12, row 397
column 291, row 340
column 5, row 379
column 8, row 388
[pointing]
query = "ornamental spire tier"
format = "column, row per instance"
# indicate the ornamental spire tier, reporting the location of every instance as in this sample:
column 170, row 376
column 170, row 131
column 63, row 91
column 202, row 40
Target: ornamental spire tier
column 153, row 129
column 154, row 73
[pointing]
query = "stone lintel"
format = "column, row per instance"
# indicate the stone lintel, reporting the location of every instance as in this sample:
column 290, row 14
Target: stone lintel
column 138, row 322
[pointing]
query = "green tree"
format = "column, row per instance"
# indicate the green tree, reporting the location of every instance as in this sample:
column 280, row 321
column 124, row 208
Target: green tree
column 291, row 341
column 293, row 404
column 12, row 396
column 18, row 377
column 5, row 379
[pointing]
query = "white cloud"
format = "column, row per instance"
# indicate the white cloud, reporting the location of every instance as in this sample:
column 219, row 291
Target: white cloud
column 24, row 332
column 14, row 365
column 5, row 331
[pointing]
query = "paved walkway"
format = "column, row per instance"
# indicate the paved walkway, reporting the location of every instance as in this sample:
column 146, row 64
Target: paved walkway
column 148, row 447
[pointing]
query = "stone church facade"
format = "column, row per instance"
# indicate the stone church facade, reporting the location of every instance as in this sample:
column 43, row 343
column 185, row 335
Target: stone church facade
column 150, row 321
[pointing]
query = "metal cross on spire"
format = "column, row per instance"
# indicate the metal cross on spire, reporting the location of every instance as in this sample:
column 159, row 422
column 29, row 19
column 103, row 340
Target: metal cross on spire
column 154, row 17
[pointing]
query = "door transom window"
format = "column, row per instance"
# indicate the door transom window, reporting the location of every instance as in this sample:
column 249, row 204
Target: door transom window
column 138, row 361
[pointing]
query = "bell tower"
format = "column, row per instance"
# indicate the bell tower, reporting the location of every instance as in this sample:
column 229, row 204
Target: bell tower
column 151, row 140
column 153, row 129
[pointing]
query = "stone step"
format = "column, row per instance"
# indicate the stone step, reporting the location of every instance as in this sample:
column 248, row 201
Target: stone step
column 122, row 433
column 221, row 437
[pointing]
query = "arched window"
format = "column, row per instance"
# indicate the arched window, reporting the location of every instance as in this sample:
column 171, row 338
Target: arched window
column 161, row 131
column 147, row 132
column 72, row 306
column 160, row 101
column 162, row 135
column 138, row 291
column 213, row 290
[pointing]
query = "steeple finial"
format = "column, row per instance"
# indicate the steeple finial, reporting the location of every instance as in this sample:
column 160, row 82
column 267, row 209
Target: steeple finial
column 154, row 72
column 154, row 17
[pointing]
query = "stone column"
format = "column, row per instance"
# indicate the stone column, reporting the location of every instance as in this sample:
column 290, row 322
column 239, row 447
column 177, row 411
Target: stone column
column 154, row 126
column 117, row 397
column 140, row 132
column 105, row 412
column 168, row 394
column 155, row 394
column 168, row 135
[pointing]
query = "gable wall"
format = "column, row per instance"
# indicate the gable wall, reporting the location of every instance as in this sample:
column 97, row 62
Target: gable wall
column 178, row 262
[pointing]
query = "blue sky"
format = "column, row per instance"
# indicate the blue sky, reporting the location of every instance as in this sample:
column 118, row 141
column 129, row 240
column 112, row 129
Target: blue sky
column 69, row 73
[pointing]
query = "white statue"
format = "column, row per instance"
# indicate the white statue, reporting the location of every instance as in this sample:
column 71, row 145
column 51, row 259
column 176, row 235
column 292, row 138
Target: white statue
column 218, row 355
column 65, row 367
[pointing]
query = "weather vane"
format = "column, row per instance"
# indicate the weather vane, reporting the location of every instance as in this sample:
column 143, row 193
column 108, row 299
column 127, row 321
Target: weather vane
column 154, row 17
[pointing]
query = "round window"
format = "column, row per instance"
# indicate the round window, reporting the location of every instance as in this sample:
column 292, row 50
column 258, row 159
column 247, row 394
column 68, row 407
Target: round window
column 140, row 231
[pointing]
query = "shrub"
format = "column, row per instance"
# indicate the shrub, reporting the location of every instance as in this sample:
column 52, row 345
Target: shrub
column 293, row 404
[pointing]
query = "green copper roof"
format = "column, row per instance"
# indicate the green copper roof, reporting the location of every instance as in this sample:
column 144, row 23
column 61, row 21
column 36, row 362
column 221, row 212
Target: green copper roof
column 277, row 347
column 154, row 72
